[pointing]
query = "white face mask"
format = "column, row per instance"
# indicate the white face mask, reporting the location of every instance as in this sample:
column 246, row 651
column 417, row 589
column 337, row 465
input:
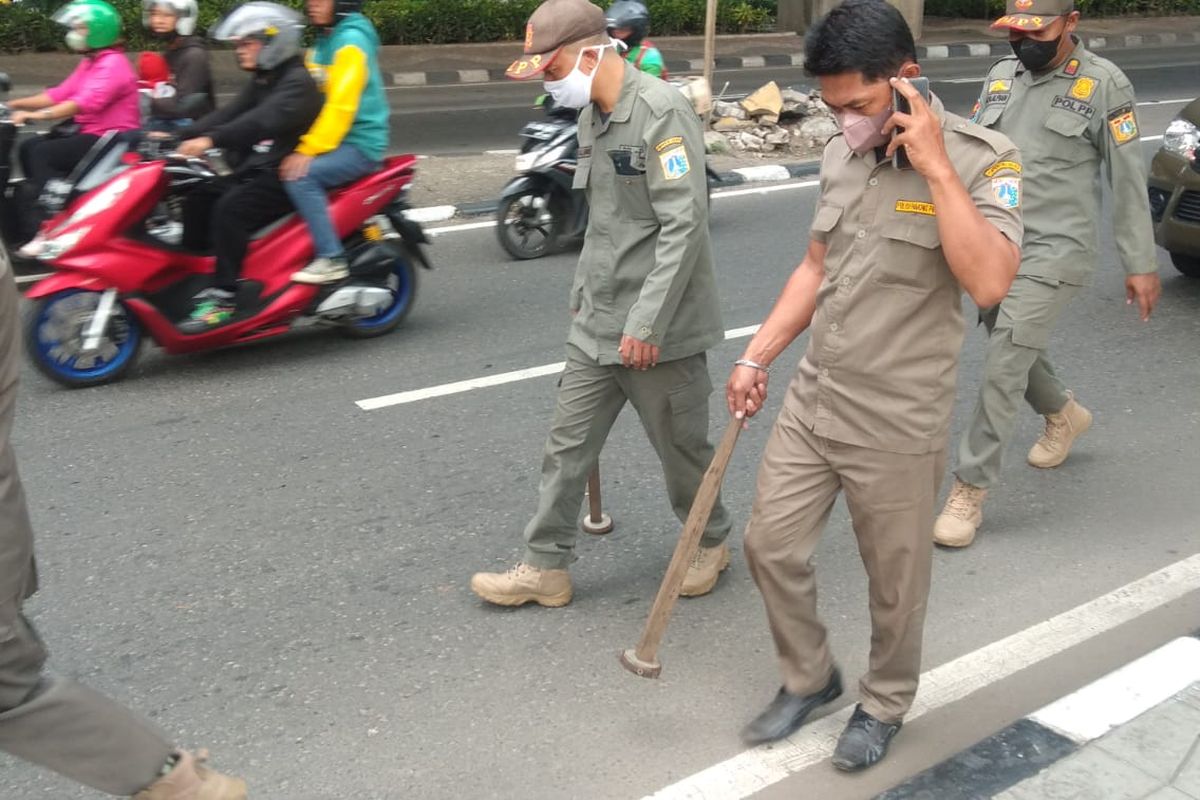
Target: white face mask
column 575, row 90
column 77, row 41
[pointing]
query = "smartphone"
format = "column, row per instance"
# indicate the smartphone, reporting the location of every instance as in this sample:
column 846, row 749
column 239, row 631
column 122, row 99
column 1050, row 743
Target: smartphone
column 900, row 104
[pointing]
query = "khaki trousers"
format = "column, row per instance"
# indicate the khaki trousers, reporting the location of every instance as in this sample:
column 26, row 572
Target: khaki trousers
column 671, row 400
column 891, row 500
column 54, row 723
column 1016, row 364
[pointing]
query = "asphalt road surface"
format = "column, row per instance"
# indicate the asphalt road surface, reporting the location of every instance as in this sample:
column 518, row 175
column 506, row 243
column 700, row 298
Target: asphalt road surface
column 465, row 119
column 233, row 546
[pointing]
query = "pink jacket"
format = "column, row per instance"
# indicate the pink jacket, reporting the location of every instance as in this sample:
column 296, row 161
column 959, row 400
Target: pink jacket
column 105, row 88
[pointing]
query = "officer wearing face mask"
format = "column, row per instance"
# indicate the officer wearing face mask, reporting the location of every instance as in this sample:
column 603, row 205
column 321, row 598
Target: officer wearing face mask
column 644, row 303
column 1073, row 115
column 867, row 414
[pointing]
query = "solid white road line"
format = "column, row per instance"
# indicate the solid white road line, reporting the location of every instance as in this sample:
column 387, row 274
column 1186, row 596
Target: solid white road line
column 471, row 384
column 754, row 770
column 1129, row 692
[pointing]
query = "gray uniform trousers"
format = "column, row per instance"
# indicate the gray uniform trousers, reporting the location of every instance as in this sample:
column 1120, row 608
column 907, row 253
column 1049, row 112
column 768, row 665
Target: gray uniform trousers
column 52, row 722
column 1015, row 365
column 672, row 401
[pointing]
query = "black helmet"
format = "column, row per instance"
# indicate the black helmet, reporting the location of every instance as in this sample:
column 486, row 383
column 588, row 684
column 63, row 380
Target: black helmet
column 630, row 14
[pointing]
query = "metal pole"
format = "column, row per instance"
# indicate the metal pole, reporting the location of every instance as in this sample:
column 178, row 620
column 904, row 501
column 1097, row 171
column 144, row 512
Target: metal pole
column 710, row 40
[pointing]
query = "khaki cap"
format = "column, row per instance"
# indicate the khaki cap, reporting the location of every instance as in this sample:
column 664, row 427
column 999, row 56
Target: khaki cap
column 554, row 24
column 1033, row 15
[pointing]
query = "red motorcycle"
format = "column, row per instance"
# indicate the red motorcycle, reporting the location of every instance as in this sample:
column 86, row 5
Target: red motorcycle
column 121, row 272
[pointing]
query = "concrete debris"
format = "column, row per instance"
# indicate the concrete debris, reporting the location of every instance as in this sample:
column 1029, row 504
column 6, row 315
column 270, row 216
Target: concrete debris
column 715, row 143
column 772, row 120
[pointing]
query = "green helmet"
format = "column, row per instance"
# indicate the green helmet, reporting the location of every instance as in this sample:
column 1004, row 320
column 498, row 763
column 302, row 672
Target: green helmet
column 102, row 21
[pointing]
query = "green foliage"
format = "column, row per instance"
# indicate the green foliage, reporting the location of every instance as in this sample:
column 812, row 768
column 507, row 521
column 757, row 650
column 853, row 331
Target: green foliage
column 24, row 25
column 989, row 9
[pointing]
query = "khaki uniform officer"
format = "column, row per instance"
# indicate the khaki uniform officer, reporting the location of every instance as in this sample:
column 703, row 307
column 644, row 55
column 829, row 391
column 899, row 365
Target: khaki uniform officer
column 1071, row 113
column 644, row 300
column 55, row 722
column 868, row 412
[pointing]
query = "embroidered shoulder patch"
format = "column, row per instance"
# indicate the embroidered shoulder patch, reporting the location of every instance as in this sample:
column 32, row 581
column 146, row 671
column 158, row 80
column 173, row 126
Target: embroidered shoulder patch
column 915, row 207
column 1084, row 88
column 1071, row 68
column 1007, row 192
column 999, row 85
column 674, row 163
column 668, row 143
column 1122, row 123
column 1074, row 106
column 1002, row 166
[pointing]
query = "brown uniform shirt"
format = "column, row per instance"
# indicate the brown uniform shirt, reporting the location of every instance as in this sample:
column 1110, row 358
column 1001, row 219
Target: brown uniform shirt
column 882, row 359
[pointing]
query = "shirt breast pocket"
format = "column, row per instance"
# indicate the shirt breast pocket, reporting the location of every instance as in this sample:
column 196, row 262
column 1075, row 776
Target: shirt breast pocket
column 1064, row 138
column 909, row 258
column 633, row 197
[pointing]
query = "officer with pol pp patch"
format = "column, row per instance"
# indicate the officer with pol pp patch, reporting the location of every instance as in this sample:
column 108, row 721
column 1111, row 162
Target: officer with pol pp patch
column 1072, row 114
column 644, row 302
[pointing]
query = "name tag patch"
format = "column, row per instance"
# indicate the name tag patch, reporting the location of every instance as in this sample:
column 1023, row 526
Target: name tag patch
column 1074, row 106
column 915, row 207
column 1007, row 192
column 674, row 163
column 1002, row 166
column 1123, row 124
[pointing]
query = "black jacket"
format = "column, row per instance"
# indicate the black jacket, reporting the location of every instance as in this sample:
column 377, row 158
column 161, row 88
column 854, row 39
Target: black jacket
column 277, row 106
column 187, row 58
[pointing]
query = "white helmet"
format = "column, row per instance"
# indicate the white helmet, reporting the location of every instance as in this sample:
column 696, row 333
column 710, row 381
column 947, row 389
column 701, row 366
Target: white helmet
column 185, row 11
column 279, row 27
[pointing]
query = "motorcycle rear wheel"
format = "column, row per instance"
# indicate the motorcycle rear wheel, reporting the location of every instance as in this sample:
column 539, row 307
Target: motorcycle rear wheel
column 403, row 285
column 54, row 329
column 527, row 231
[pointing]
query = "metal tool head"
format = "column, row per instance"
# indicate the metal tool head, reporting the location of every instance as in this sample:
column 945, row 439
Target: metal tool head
column 643, row 669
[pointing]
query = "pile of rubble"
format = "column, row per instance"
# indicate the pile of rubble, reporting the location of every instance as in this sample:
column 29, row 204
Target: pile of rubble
column 771, row 120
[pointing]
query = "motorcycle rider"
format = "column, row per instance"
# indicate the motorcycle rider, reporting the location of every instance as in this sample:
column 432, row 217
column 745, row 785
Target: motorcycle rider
column 174, row 22
column 349, row 138
column 257, row 129
column 629, row 21
column 101, row 94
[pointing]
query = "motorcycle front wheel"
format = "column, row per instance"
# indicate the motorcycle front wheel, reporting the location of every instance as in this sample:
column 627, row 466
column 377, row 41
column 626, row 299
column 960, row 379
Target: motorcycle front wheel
column 529, row 224
column 54, row 338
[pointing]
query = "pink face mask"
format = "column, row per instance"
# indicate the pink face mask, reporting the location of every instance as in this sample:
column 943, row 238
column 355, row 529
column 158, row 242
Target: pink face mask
column 863, row 134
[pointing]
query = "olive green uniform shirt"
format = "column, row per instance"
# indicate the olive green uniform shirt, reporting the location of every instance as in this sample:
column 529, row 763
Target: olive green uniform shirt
column 646, row 269
column 1067, row 123
column 883, row 351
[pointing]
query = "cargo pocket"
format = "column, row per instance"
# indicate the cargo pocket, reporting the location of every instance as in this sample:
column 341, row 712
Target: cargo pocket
column 689, row 407
column 1030, row 333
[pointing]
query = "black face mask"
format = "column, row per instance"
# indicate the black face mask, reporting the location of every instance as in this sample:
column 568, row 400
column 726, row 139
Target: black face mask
column 1035, row 55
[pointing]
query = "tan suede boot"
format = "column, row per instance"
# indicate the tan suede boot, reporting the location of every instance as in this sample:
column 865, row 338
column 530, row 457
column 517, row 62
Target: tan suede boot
column 706, row 567
column 191, row 780
column 962, row 516
column 1062, row 429
column 524, row 584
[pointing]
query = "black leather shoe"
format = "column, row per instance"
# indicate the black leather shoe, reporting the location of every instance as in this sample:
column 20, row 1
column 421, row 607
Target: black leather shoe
column 864, row 742
column 787, row 712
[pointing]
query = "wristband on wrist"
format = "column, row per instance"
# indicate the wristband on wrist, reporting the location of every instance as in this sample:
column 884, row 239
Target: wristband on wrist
column 745, row 362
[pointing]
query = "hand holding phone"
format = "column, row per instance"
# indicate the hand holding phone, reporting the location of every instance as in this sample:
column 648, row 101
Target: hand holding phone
column 901, row 105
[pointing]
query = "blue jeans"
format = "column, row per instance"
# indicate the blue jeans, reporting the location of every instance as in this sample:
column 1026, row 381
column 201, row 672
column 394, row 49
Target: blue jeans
column 327, row 171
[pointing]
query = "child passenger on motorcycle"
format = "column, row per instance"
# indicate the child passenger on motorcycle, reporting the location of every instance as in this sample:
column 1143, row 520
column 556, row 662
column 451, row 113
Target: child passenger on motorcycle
column 256, row 129
column 101, row 94
column 187, row 94
column 349, row 138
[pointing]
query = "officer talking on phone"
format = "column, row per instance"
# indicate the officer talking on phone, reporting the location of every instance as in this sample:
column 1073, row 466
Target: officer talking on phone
column 867, row 414
column 1073, row 115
